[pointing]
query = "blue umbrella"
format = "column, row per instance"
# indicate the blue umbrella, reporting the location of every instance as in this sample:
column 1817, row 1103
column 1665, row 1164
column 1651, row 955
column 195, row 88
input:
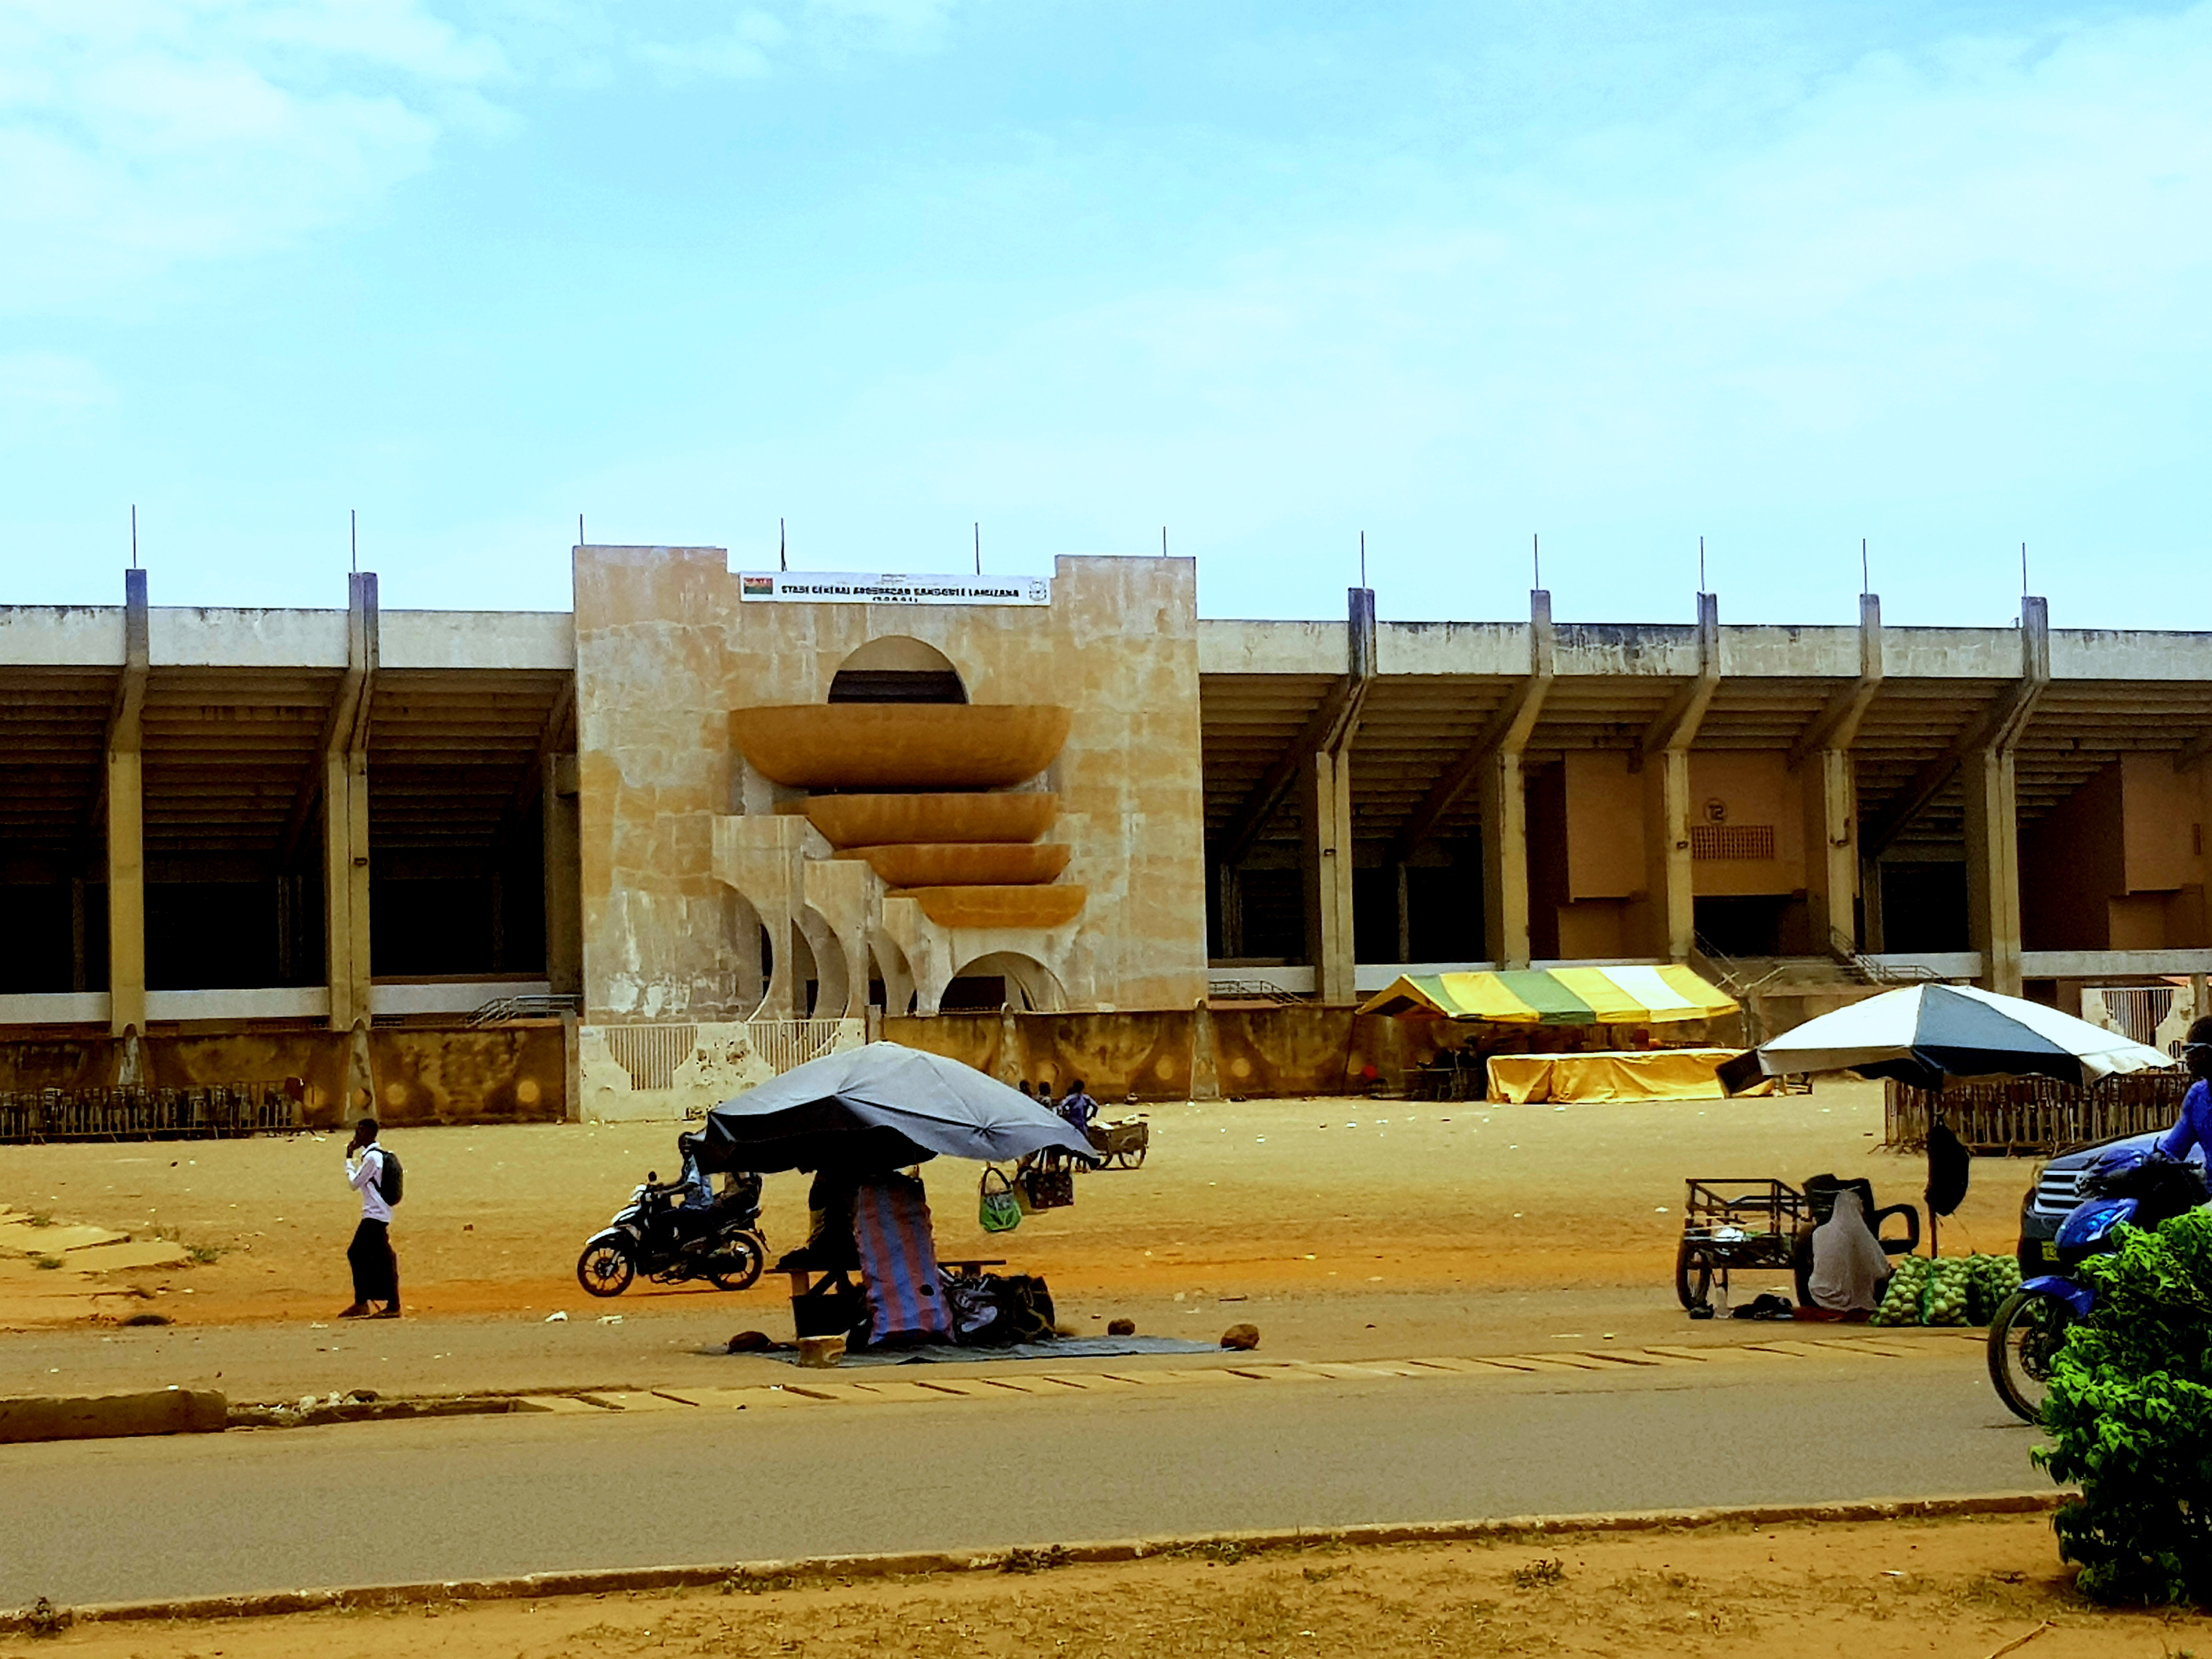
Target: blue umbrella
column 881, row 1107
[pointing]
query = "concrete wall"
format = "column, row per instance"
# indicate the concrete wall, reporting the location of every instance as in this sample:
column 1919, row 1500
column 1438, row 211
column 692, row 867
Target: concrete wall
column 2119, row 864
column 418, row 1075
column 666, row 650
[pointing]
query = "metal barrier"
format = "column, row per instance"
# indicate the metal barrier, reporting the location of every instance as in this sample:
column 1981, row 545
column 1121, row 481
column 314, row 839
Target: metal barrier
column 786, row 1044
column 500, row 1009
column 650, row 1054
column 212, row 1111
column 2031, row 1116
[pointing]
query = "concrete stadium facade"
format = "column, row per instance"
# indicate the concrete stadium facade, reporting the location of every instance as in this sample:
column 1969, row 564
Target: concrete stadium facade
column 216, row 820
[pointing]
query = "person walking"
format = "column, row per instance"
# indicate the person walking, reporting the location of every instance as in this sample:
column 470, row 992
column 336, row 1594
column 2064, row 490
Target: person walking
column 376, row 1268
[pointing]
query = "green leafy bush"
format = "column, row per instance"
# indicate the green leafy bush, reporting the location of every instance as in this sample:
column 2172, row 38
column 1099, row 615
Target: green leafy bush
column 2129, row 1416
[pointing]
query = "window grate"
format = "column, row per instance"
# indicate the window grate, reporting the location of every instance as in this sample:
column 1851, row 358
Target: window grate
column 1740, row 841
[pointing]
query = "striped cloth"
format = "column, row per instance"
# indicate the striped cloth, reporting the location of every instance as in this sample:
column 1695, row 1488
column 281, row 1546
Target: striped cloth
column 898, row 1261
column 1557, row 996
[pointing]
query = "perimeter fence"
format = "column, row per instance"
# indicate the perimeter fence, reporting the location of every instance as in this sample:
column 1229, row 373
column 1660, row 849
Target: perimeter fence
column 2033, row 1117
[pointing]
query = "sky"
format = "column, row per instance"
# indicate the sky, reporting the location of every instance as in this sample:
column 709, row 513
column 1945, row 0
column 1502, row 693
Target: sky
column 1263, row 275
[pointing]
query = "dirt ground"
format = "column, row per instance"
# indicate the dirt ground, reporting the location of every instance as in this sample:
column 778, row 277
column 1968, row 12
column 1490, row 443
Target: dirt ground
column 1342, row 1228
column 1956, row 1589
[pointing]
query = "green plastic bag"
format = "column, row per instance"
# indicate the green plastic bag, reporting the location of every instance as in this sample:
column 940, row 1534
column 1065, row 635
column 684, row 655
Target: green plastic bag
column 998, row 1211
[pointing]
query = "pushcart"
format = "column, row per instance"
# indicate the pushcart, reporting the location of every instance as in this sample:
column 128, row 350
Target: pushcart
column 1729, row 1225
column 1121, row 1145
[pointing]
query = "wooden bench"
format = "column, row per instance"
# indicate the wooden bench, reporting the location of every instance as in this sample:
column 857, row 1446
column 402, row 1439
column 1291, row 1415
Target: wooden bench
column 809, row 1281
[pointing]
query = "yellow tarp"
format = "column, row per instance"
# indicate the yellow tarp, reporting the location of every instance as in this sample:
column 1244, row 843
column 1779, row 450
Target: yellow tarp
column 1661, row 1074
column 1640, row 995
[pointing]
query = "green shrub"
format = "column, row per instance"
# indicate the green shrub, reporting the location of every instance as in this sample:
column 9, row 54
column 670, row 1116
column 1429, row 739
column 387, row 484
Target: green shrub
column 2129, row 1417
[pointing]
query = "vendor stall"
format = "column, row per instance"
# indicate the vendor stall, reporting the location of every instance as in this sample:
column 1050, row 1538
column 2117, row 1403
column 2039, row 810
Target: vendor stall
column 1638, row 995
column 1649, row 1074
column 857, row 1120
column 1509, row 1003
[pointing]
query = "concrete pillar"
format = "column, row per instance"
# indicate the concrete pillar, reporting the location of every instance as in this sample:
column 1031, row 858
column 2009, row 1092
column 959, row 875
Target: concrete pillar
column 1678, row 889
column 1992, row 825
column 345, row 886
column 1326, row 804
column 1831, row 853
column 126, row 893
column 564, row 896
column 1667, row 752
column 1504, row 809
column 345, row 818
column 126, row 822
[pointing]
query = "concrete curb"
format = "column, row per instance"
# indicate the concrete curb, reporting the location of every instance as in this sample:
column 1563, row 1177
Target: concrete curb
column 913, row 1563
column 112, row 1416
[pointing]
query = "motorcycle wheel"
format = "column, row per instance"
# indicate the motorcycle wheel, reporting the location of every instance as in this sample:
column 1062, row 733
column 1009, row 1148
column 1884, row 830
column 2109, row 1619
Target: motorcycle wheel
column 737, row 1266
column 2025, row 1337
column 605, row 1269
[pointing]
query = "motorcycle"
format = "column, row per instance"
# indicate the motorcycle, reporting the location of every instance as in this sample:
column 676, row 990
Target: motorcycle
column 669, row 1243
column 2127, row 1187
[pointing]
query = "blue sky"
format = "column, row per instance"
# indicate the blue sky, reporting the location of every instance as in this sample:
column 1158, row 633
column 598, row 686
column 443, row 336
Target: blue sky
column 1269, row 274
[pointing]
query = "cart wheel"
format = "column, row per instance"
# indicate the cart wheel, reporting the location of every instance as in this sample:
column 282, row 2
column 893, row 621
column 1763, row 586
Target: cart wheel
column 1134, row 1160
column 1694, row 1273
column 605, row 1269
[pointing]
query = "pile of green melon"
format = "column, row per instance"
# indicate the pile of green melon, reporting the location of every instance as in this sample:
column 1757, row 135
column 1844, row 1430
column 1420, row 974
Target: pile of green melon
column 1952, row 1289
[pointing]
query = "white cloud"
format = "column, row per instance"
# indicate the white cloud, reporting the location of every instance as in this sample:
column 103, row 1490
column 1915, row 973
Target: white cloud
column 744, row 52
column 758, row 38
column 136, row 134
column 1968, row 283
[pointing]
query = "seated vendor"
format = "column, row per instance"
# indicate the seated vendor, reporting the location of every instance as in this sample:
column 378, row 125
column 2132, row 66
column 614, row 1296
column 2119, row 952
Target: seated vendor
column 1850, row 1268
column 828, row 1244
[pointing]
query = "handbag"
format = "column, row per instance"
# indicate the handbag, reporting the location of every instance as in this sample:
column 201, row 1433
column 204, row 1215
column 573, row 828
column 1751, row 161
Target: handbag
column 1046, row 1189
column 997, row 1211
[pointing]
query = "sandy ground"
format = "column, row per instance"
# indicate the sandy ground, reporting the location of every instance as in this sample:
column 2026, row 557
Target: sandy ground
column 1345, row 1227
column 1959, row 1589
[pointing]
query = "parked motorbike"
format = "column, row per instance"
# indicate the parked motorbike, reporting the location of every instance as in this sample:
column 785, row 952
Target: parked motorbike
column 2127, row 1186
column 669, row 1243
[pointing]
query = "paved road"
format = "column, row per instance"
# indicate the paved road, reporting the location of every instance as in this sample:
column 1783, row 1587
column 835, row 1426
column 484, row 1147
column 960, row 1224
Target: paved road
column 122, row 1520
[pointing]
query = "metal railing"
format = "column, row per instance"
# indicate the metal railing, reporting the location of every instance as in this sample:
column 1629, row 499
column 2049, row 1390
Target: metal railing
column 787, row 1043
column 2033, row 1116
column 2140, row 1010
column 212, row 1111
column 500, row 1009
column 1266, row 990
column 1872, row 971
column 651, row 1055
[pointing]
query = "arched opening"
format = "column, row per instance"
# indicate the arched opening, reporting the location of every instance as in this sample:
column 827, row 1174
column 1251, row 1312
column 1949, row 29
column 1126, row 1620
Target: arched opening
column 1003, row 979
column 897, row 668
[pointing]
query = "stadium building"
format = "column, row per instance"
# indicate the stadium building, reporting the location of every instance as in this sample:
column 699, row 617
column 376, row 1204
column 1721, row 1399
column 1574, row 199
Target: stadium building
column 615, row 861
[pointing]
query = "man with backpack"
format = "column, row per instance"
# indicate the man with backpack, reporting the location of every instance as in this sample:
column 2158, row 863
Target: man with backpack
column 375, row 1174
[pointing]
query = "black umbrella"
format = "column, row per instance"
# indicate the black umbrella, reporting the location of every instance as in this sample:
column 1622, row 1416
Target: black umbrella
column 881, row 1107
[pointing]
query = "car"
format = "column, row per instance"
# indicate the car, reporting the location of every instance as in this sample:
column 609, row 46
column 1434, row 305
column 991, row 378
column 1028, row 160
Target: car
column 2058, row 1189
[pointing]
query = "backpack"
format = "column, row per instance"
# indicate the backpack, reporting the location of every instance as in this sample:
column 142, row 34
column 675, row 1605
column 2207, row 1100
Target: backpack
column 390, row 1179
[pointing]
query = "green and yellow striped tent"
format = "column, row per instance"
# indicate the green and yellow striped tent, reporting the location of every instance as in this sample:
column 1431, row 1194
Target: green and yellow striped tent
column 1556, row 996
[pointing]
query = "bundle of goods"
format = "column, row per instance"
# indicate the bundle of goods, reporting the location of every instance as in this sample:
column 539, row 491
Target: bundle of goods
column 1955, row 1289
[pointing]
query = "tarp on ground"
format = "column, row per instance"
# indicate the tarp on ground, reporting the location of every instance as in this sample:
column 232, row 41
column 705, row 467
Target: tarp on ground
column 1662, row 1074
column 1556, row 996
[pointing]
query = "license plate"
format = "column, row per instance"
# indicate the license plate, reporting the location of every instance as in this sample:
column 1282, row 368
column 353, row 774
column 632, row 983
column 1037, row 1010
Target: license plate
column 2051, row 1249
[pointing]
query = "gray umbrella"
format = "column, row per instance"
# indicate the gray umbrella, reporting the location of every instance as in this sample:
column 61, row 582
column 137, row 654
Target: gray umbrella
column 881, row 1107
